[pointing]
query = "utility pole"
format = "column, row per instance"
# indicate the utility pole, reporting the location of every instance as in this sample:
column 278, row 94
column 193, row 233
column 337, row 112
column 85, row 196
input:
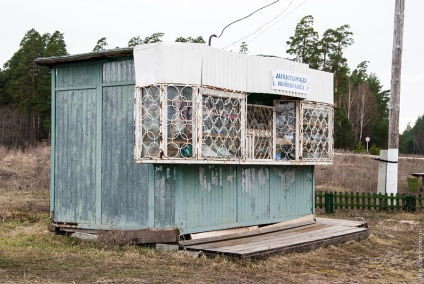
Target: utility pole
column 388, row 166
column 393, row 147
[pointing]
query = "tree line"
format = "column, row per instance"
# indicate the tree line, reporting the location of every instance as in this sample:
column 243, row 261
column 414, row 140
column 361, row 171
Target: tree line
column 361, row 104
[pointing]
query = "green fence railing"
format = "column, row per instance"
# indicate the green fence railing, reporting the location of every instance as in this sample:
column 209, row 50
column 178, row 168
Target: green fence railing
column 367, row 201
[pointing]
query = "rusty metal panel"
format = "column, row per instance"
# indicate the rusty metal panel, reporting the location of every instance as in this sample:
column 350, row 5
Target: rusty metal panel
column 76, row 76
column 119, row 72
column 124, row 183
column 75, row 168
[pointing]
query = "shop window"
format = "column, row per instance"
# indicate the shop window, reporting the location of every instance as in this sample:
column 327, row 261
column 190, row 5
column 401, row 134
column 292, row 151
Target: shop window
column 179, row 124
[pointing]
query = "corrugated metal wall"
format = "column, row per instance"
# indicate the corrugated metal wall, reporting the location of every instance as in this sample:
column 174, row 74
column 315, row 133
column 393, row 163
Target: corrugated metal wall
column 97, row 184
column 210, row 197
column 75, row 182
column 124, row 184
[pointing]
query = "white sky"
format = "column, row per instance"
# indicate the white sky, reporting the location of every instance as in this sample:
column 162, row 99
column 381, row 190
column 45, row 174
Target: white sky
column 83, row 22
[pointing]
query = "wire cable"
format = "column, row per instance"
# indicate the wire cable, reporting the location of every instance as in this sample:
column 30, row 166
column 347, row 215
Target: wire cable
column 210, row 38
column 288, row 6
column 301, row 4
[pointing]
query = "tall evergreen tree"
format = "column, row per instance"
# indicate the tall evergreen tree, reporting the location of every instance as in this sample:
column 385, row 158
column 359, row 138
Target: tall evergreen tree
column 304, row 44
column 28, row 84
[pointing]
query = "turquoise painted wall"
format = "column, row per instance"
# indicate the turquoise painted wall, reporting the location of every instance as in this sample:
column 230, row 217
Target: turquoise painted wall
column 96, row 183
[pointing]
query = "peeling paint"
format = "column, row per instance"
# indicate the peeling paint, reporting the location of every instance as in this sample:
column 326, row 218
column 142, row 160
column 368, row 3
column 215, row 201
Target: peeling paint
column 263, row 176
column 158, row 169
column 287, row 178
column 203, row 181
column 290, row 177
column 220, row 176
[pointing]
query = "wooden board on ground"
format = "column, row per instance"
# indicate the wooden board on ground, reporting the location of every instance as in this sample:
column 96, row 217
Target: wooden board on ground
column 323, row 233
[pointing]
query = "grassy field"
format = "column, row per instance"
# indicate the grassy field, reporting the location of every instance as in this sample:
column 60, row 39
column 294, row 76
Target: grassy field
column 29, row 255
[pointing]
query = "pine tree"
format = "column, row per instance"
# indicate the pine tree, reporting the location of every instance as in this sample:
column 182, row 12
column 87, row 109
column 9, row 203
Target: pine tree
column 304, row 44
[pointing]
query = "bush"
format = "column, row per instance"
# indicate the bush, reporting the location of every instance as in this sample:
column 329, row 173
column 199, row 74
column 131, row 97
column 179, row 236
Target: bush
column 359, row 149
column 374, row 150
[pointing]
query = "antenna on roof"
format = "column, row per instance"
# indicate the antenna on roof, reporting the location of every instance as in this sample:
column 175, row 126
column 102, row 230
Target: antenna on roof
column 214, row 35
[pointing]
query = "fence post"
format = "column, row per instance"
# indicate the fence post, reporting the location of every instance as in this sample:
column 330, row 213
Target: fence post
column 410, row 203
column 329, row 203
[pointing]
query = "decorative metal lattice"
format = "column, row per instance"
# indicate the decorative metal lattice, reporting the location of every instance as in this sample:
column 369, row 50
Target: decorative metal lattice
column 317, row 131
column 150, row 124
column 259, row 132
column 176, row 122
column 179, row 138
column 285, row 124
column 221, row 125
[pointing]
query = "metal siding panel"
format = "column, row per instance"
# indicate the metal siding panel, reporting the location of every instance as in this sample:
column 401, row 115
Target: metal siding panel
column 224, row 69
column 119, row 72
column 124, row 183
column 76, row 76
column 321, row 87
column 199, row 64
column 164, row 196
column 291, row 191
column 211, row 197
column 206, row 197
column 175, row 63
column 75, row 179
column 253, row 193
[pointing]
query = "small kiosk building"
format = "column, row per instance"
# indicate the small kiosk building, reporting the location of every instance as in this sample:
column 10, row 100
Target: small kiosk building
column 185, row 138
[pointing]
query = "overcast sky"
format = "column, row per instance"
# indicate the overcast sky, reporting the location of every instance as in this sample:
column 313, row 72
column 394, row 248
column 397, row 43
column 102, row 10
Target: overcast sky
column 371, row 21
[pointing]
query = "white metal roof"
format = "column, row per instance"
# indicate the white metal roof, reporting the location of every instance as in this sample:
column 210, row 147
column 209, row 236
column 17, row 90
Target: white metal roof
column 199, row 64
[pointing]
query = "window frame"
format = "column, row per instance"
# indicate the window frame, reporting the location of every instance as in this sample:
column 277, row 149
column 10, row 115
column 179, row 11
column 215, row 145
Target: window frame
column 197, row 124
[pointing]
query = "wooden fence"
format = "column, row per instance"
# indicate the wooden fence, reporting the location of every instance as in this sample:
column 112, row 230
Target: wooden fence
column 367, row 201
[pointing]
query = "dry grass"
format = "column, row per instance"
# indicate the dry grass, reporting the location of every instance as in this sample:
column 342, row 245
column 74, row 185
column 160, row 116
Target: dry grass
column 359, row 173
column 25, row 171
column 28, row 255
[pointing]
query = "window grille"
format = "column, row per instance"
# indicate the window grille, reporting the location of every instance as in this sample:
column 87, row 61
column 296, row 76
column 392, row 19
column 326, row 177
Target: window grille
column 259, row 132
column 221, row 125
column 177, row 124
column 150, row 122
column 317, row 132
column 285, row 124
column 179, row 121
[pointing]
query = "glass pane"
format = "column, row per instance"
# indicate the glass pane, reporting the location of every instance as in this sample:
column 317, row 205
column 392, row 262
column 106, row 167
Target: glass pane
column 179, row 122
column 220, row 126
column 285, row 123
